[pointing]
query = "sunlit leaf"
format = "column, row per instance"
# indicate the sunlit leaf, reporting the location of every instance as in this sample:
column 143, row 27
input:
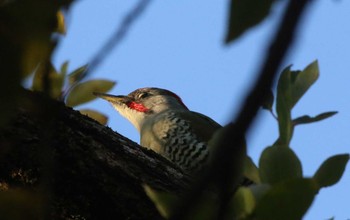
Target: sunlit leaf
column 288, row 200
column 82, row 92
column 307, row 119
column 301, row 81
column 101, row 118
column 61, row 26
column 56, row 80
column 77, row 74
column 279, row 163
column 242, row 204
column 64, row 67
column 245, row 14
column 163, row 201
column 205, row 209
column 34, row 53
column 331, row 170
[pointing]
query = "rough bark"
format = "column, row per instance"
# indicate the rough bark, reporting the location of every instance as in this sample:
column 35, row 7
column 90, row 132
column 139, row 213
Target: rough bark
column 58, row 164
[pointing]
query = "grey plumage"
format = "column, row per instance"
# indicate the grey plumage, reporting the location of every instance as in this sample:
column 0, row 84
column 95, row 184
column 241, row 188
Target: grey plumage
column 167, row 126
column 174, row 138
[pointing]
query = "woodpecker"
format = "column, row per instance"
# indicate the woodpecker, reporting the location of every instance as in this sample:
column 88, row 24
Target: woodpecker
column 166, row 125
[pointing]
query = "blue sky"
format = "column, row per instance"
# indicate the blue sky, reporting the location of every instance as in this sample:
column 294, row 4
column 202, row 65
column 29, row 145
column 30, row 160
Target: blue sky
column 178, row 45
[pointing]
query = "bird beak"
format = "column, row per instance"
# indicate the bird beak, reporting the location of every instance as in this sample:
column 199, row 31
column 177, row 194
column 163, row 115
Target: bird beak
column 113, row 98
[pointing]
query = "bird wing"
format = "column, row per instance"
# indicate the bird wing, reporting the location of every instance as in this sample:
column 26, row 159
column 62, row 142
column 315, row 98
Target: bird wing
column 203, row 126
column 180, row 136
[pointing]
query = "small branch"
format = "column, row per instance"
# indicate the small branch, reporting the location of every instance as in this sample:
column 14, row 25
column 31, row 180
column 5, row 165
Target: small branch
column 75, row 168
column 118, row 36
column 273, row 114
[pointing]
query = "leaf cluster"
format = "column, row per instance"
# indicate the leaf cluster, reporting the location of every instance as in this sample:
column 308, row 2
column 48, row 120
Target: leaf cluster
column 70, row 87
column 30, row 32
column 28, row 36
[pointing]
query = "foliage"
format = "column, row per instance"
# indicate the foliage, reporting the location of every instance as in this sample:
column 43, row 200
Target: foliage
column 28, row 37
column 284, row 193
column 69, row 88
column 30, row 33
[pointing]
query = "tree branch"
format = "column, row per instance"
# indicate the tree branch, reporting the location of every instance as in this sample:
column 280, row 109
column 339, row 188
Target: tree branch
column 95, row 173
column 120, row 33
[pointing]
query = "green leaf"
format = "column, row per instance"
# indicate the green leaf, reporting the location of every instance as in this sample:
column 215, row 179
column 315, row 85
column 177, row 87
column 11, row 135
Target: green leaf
column 279, row 163
column 287, row 200
column 77, row 74
column 245, row 14
column 163, row 201
column 101, row 118
column 56, row 80
column 242, row 204
column 61, row 24
column 283, row 107
column 64, row 67
column 292, row 85
column 302, row 81
column 26, row 40
column 268, row 102
column 307, row 119
column 82, row 92
column 250, row 170
column 331, row 170
column 205, row 209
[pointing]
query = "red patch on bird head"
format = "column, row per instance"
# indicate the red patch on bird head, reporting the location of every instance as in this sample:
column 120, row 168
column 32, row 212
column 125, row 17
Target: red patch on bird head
column 137, row 106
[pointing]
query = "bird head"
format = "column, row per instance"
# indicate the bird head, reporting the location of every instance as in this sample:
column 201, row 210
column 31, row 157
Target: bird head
column 143, row 103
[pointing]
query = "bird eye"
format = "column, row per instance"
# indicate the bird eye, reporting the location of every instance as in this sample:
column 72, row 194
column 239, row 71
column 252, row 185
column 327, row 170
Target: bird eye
column 143, row 95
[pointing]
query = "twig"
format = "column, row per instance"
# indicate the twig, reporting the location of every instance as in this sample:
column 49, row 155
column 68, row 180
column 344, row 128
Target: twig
column 120, row 33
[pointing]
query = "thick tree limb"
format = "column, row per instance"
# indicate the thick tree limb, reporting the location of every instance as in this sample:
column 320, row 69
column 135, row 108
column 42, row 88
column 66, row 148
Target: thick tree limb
column 94, row 173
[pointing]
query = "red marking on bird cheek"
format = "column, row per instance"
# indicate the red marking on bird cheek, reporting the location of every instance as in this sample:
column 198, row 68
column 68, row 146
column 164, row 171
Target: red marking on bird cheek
column 137, row 106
